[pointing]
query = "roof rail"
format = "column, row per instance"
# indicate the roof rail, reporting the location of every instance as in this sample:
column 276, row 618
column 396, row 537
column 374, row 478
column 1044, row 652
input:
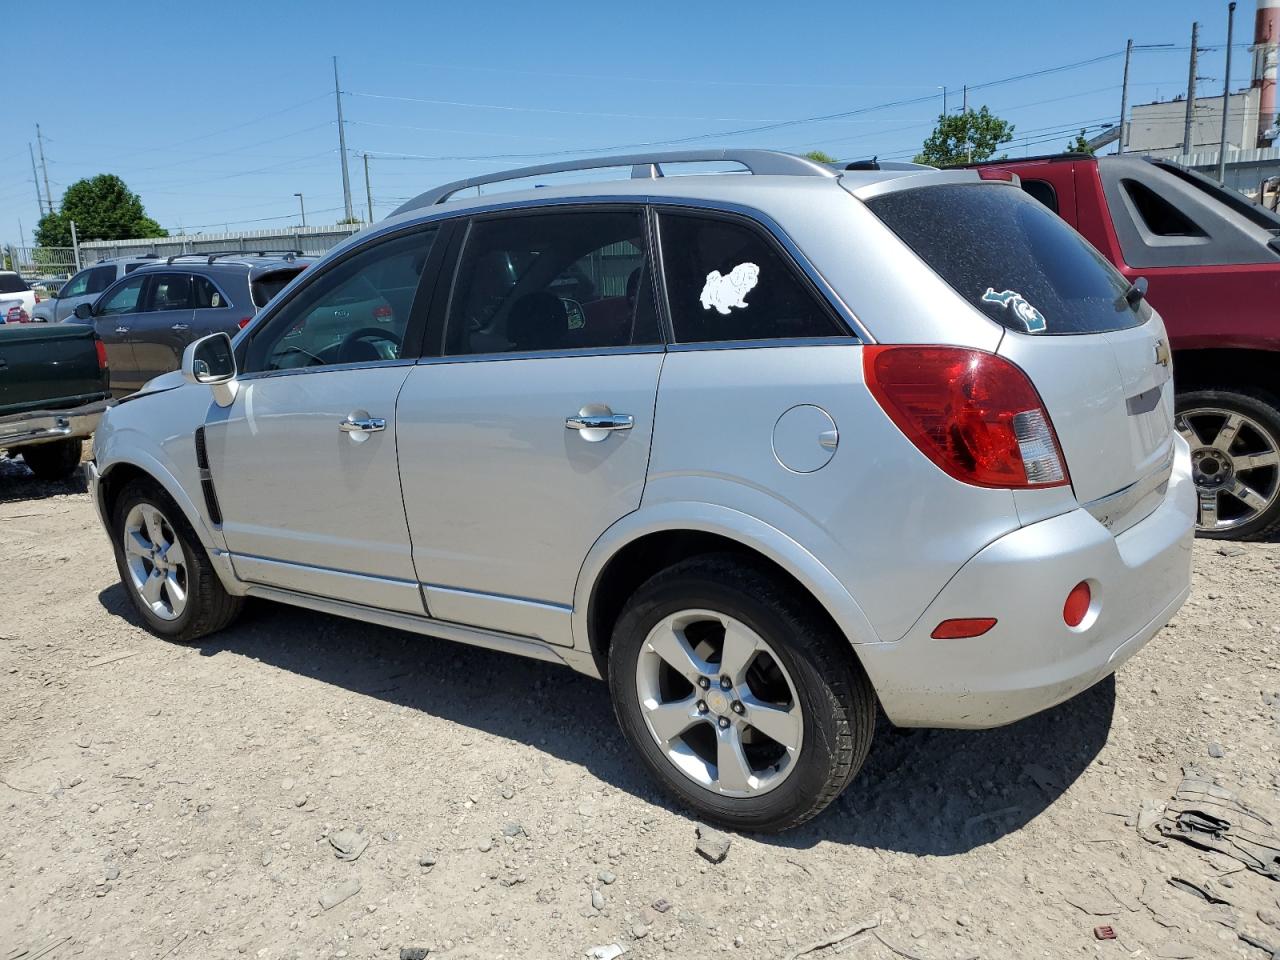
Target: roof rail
column 209, row 258
column 644, row 166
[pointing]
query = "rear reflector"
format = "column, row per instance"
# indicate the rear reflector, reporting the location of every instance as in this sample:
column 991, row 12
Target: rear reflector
column 1077, row 605
column 962, row 629
column 974, row 414
column 102, row 354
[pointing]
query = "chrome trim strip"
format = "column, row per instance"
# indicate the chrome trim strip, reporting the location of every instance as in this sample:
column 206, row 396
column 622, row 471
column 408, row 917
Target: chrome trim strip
column 324, row 368
column 545, row 354
column 293, row 565
column 1113, row 511
column 765, row 344
column 505, row 598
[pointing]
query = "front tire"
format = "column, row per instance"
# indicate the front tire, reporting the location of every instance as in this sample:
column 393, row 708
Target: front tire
column 164, row 568
column 1235, row 459
column 53, row 461
column 739, row 696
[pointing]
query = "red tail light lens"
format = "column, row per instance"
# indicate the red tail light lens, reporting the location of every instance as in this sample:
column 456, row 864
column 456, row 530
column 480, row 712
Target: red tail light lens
column 244, row 322
column 989, row 173
column 37, row 293
column 1077, row 605
column 102, row 354
column 383, row 313
column 974, row 414
column 963, row 628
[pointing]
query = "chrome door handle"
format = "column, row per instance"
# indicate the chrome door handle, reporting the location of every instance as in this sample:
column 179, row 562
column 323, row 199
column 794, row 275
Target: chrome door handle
column 122, row 329
column 363, row 425
column 181, row 326
column 608, row 421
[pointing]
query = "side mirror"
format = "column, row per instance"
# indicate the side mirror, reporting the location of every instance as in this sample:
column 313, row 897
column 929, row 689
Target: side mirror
column 84, row 311
column 211, row 361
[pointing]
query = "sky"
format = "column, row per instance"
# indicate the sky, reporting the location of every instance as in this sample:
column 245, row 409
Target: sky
column 216, row 114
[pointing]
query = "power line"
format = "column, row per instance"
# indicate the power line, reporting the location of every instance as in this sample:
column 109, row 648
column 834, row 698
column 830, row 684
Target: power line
column 570, row 113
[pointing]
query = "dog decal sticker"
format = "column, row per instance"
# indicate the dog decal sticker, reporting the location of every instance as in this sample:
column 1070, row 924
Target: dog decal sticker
column 724, row 292
column 1029, row 316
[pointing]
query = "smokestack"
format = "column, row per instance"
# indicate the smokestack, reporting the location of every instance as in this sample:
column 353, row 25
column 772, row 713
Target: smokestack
column 1266, row 46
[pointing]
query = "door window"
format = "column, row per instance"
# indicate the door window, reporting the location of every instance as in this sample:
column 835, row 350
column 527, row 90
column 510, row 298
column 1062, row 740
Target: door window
column 205, row 296
column 170, row 291
column 727, row 281
column 77, row 286
column 553, row 281
column 357, row 311
column 123, row 299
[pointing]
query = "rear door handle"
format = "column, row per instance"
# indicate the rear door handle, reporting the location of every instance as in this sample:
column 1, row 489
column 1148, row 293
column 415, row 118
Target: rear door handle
column 122, row 329
column 363, row 425
column 181, row 326
column 607, row 421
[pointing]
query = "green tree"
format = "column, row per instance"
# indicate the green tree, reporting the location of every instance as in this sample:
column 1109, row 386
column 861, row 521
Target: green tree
column 965, row 138
column 820, row 156
column 103, row 209
column 1080, row 144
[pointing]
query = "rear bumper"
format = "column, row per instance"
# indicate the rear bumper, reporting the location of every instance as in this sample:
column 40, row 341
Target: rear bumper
column 42, row 426
column 1031, row 659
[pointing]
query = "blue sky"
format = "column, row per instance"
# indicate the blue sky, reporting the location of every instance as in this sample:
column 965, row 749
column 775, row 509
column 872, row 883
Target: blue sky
column 217, row 113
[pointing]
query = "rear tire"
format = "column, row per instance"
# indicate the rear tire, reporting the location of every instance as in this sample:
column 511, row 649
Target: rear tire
column 163, row 567
column 53, row 461
column 1235, row 457
column 799, row 678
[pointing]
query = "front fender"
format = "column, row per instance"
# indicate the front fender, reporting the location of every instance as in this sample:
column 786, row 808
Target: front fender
column 733, row 525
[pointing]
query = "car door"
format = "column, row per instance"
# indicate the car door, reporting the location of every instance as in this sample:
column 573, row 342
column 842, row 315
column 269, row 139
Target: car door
column 161, row 331
column 114, row 315
column 304, row 460
column 529, row 436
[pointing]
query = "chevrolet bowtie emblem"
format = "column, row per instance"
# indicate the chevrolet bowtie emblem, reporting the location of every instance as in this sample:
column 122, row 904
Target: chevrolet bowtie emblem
column 1163, row 357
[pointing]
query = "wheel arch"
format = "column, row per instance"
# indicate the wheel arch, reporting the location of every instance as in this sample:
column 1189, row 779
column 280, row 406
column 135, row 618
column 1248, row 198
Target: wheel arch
column 1227, row 368
column 641, row 544
column 114, row 476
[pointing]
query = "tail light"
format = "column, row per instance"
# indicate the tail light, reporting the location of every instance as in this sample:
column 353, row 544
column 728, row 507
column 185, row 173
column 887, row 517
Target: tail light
column 383, row 313
column 974, row 414
column 102, row 354
column 994, row 173
column 37, row 293
column 244, row 322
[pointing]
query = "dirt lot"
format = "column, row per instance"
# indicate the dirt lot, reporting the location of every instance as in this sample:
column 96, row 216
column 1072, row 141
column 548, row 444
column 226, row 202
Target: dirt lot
column 179, row 802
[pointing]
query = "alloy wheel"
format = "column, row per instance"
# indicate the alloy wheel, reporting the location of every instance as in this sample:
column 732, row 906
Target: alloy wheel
column 156, row 563
column 1235, row 462
column 719, row 703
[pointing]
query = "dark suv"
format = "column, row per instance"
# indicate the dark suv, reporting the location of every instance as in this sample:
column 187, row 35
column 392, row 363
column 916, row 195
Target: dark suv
column 147, row 319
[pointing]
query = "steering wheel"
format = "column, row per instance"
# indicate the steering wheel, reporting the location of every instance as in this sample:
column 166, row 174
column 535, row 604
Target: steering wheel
column 362, row 334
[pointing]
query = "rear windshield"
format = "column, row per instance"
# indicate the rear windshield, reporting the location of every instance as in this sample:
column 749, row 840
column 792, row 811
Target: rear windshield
column 269, row 284
column 12, row 283
column 1011, row 257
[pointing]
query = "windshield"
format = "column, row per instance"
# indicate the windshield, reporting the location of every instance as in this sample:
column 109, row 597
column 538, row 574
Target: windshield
column 12, row 283
column 1012, row 258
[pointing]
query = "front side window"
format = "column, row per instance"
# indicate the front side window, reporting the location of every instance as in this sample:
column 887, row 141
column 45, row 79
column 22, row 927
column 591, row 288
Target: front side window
column 123, row 299
column 726, row 281
column 553, row 281
column 171, row 291
column 78, row 285
column 355, row 312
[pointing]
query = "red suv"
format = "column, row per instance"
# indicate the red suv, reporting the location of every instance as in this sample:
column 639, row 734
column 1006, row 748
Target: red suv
column 1211, row 261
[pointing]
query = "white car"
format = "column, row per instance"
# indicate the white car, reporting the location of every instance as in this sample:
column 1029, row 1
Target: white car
column 16, row 292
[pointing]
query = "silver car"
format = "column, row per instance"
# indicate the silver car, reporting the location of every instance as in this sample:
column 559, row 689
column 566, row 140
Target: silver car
column 763, row 449
column 85, row 287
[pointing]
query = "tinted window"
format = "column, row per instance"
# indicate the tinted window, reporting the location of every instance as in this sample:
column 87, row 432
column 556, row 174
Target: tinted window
column 77, row 285
column 1159, row 215
column 171, row 291
column 1043, row 191
column 354, row 312
column 123, row 299
column 727, row 281
column 12, row 283
column 1011, row 258
column 268, row 285
column 100, row 278
column 205, row 295
column 556, row 281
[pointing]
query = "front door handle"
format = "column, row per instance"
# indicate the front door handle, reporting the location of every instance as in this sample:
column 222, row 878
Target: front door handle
column 122, row 329
column 362, row 425
column 607, row 421
column 181, row 326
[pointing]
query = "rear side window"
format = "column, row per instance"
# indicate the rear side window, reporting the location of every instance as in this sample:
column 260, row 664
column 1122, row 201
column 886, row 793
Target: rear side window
column 1043, row 191
column 171, row 291
column 269, row 284
column 726, row 281
column 206, row 295
column 12, row 283
column 1159, row 215
column 1010, row 257
column 100, row 278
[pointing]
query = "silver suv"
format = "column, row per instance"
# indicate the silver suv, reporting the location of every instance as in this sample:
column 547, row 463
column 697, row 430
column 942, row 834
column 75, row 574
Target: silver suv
column 764, row 449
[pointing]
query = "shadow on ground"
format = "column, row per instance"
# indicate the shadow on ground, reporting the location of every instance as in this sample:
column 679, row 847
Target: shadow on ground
column 18, row 483
column 936, row 792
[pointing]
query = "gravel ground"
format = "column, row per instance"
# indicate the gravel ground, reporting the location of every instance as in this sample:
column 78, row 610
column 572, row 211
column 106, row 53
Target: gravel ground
column 162, row 801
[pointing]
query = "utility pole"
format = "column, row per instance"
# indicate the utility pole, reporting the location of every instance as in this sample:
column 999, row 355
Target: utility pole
column 368, row 191
column 342, row 142
column 302, row 208
column 1187, row 144
column 48, row 195
column 35, row 177
column 968, row 144
column 1226, row 97
column 944, row 100
column 1124, row 96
